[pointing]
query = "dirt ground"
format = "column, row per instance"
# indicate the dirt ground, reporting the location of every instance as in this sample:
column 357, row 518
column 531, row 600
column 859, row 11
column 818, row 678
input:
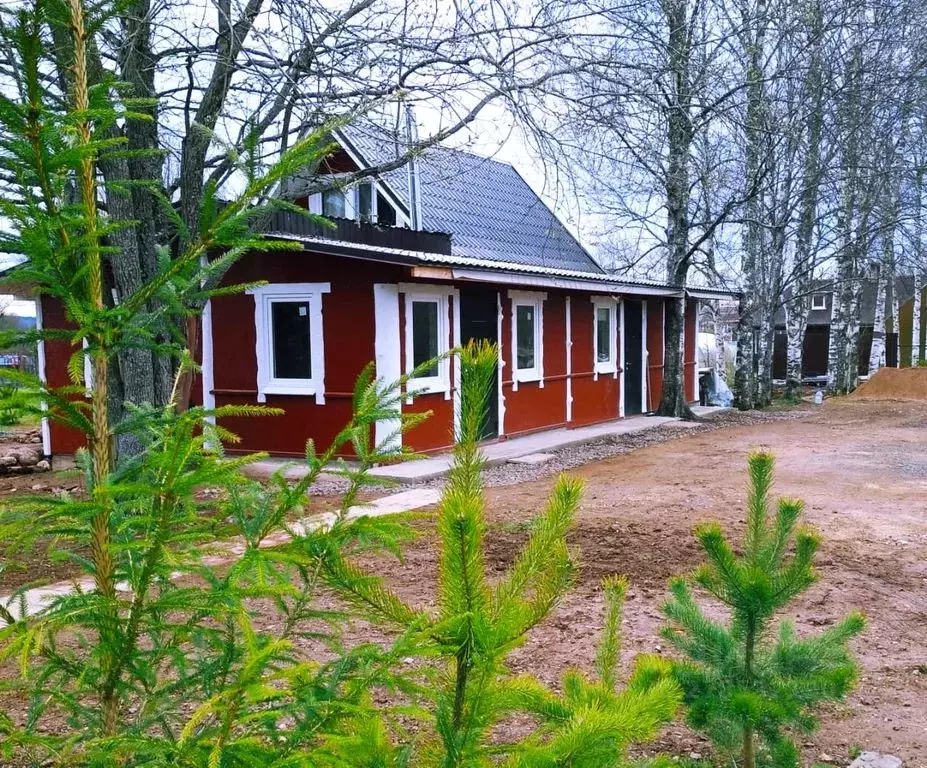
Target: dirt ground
column 860, row 466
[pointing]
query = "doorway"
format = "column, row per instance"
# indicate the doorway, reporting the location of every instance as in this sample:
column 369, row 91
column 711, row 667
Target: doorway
column 633, row 333
column 479, row 320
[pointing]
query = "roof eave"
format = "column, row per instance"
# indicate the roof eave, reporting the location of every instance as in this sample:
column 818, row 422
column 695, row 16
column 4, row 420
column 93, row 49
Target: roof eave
column 482, row 270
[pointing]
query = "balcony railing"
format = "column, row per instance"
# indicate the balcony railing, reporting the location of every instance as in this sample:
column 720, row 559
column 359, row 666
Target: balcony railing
column 375, row 235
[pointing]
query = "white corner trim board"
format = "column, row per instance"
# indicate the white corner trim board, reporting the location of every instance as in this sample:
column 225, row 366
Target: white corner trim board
column 387, row 355
column 208, row 375
column 535, row 300
column 43, row 377
column 264, row 298
column 569, row 359
column 457, row 382
column 645, row 367
column 500, row 363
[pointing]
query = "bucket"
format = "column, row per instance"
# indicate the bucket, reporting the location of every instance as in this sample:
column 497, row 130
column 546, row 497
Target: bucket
column 819, row 397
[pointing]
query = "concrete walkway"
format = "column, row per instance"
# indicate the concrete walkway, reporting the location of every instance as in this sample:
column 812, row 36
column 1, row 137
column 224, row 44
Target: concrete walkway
column 527, row 447
column 516, row 447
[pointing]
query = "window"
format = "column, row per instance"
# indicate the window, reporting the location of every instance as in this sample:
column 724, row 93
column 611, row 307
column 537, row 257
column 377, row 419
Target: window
column 290, row 347
column 425, row 329
column 366, row 202
column 819, row 301
column 333, row 204
column 357, row 202
column 528, row 336
column 605, row 338
column 427, row 337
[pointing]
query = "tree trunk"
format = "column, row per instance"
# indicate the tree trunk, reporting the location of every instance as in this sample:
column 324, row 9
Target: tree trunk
column 877, row 350
column 744, row 387
column 677, row 185
column 916, row 319
column 673, row 402
column 797, row 308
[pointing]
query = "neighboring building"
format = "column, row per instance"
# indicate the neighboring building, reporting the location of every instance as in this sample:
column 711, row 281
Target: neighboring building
column 815, row 352
column 457, row 247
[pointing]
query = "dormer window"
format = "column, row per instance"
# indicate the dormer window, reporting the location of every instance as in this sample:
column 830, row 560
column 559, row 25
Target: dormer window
column 357, row 201
column 334, row 204
column 819, row 301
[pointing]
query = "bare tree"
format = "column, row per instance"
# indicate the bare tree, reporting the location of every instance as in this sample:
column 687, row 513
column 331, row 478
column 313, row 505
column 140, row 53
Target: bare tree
column 230, row 83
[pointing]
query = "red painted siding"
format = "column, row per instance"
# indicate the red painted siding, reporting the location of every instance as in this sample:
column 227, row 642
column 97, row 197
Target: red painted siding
column 594, row 399
column 690, row 375
column 655, row 332
column 532, row 407
column 349, row 330
column 57, row 353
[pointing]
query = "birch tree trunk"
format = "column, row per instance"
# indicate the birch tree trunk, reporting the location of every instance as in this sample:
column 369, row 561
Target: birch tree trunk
column 877, row 350
column 798, row 306
column 916, row 356
column 750, row 355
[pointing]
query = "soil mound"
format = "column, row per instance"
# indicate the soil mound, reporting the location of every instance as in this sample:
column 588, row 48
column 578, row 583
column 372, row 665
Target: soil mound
column 895, row 384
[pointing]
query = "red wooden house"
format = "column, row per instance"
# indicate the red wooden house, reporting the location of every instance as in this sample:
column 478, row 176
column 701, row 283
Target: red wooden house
column 451, row 248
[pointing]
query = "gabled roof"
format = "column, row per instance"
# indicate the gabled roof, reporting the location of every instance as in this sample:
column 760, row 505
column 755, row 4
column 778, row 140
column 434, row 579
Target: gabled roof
column 489, row 210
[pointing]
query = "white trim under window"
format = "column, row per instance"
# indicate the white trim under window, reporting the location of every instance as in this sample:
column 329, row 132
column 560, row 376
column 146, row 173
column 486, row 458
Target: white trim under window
column 528, row 308
column 605, row 361
column 819, row 301
column 265, row 297
column 438, row 296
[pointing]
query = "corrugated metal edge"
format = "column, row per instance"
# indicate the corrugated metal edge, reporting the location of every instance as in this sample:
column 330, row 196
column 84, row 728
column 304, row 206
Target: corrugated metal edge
column 466, row 261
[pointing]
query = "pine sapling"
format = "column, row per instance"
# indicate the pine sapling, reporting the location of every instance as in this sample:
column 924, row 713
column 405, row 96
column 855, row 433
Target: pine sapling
column 747, row 684
column 478, row 622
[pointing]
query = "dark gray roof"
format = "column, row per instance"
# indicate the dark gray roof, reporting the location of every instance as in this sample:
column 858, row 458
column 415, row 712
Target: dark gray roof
column 489, row 210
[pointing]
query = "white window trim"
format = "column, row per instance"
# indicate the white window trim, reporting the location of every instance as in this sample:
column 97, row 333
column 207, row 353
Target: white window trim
column 814, row 298
column 609, row 366
column 535, row 300
column 441, row 382
column 264, row 297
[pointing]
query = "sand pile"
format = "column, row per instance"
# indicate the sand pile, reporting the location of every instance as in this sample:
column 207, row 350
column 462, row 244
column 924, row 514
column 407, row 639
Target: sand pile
column 895, row 384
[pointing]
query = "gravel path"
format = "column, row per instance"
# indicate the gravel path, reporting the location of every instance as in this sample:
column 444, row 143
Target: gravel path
column 578, row 455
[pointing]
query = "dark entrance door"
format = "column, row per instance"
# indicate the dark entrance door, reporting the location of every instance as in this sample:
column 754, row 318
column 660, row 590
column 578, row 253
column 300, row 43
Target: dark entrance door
column 633, row 334
column 479, row 312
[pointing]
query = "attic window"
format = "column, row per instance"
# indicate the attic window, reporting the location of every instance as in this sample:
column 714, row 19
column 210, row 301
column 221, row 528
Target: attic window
column 819, row 301
column 358, row 202
column 334, row 205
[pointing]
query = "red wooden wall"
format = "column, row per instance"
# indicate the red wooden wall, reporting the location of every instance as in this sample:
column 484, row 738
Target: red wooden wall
column 348, row 313
column 655, row 350
column 57, row 353
column 593, row 400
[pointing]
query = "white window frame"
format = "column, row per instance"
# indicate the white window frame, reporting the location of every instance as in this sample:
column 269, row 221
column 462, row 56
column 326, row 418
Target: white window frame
column 609, row 303
column 351, row 200
column 441, row 381
column 535, row 300
column 264, row 298
column 814, row 300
